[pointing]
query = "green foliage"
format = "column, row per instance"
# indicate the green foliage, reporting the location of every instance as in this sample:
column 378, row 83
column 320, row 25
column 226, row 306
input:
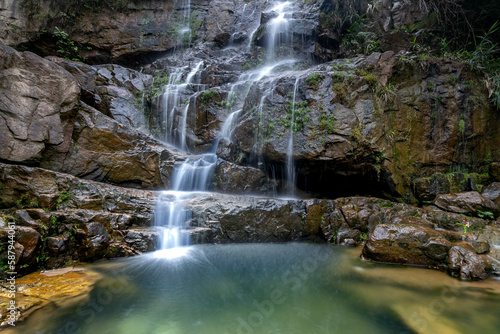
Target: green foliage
column 314, row 79
column 451, row 80
column 32, row 8
column 207, row 96
column 245, row 66
column 387, row 94
column 326, row 123
column 485, row 214
column 67, row 47
column 461, row 126
column 160, row 80
column 229, row 102
column 63, row 198
column 341, row 92
column 299, row 113
column 484, row 58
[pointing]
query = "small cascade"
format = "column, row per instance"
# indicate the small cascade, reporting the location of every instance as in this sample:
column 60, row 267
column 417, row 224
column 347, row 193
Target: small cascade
column 175, row 103
column 170, row 214
column 290, row 166
column 228, row 126
column 278, row 30
column 195, row 173
column 192, row 77
column 184, row 34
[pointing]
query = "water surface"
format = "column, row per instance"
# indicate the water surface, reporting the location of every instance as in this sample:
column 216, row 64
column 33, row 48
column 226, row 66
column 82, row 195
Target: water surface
column 273, row 288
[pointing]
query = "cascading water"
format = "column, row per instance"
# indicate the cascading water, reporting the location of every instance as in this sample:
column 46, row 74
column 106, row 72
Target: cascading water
column 175, row 103
column 194, row 175
column 290, row 166
column 278, row 30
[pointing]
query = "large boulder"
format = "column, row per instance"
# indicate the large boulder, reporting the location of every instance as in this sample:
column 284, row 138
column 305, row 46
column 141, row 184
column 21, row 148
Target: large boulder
column 423, row 246
column 492, row 192
column 105, row 150
column 114, row 90
column 466, row 264
column 470, row 203
column 232, row 178
column 406, row 244
column 38, row 101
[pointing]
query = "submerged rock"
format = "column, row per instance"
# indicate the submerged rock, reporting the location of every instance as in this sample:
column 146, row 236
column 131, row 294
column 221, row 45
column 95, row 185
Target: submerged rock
column 423, row 246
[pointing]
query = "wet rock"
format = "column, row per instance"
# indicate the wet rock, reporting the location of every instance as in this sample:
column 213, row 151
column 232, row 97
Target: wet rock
column 492, row 192
column 142, row 240
column 29, row 239
column 111, row 89
column 105, row 150
column 426, row 189
column 406, row 244
column 38, row 101
column 231, row 178
column 55, row 245
column 494, row 171
column 466, row 264
column 31, row 184
column 246, row 219
column 222, row 39
column 468, row 203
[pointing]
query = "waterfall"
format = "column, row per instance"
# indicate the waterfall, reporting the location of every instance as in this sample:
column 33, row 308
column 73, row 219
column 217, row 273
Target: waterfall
column 184, row 34
column 196, row 172
column 174, row 102
column 278, row 30
column 193, row 175
column 192, row 77
column 290, row 167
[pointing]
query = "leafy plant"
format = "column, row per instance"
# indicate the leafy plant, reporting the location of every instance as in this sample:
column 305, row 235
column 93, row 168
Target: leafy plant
column 67, row 47
column 207, row 96
column 314, row 79
column 485, row 214
column 465, row 226
column 63, row 198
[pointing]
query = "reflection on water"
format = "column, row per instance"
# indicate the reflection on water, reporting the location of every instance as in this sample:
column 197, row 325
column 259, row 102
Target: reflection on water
column 274, row 288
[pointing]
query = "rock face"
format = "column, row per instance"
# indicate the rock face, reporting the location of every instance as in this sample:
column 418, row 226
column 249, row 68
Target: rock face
column 80, row 220
column 38, row 100
column 61, row 218
column 469, row 203
column 43, row 122
column 362, row 127
column 112, row 89
column 104, row 150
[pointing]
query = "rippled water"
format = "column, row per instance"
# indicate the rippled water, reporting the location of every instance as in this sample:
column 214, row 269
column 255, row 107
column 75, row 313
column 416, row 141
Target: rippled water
column 273, row 288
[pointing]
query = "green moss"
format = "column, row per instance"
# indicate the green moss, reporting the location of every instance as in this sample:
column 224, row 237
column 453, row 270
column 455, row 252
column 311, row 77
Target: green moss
column 340, row 91
column 207, row 96
column 298, row 112
column 461, row 126
column 314, row 79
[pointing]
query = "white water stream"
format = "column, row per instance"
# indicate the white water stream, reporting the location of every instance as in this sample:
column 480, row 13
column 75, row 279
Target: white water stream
column 195, row 174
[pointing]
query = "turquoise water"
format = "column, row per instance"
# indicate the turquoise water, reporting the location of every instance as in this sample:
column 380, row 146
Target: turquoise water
column 274, row 288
